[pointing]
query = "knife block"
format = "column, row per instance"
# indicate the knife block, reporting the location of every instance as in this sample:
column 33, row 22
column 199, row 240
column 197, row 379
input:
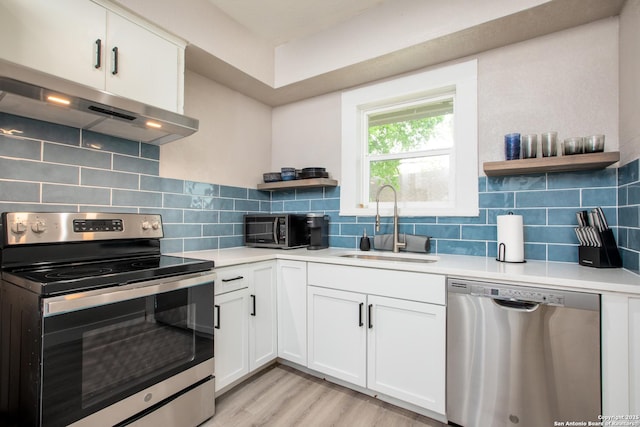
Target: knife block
column 605, row 256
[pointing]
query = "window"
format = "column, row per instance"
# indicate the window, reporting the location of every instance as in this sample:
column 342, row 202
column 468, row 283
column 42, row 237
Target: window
column 417, row 133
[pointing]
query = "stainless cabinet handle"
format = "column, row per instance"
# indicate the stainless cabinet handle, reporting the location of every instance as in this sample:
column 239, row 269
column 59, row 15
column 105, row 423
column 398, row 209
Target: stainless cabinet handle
column 114, row 56
column 98, row 60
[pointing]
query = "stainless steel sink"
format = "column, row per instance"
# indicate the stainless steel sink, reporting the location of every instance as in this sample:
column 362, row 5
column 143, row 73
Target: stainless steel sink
column 377, row 257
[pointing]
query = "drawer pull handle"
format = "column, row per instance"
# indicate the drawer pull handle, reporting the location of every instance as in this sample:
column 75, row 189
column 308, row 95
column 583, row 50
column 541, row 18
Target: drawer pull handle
column 253, row 305
column 233, row 278
column 370, row 320
column 360, row 307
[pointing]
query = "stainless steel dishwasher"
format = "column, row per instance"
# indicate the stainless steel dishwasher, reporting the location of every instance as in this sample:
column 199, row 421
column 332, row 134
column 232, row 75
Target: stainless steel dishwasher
column 520, row 356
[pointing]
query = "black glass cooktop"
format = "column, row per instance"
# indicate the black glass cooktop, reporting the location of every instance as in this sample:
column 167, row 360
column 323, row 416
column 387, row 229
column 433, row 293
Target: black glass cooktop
column 89, row 275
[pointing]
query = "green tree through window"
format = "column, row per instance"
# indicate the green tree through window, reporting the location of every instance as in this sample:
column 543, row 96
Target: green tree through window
column 399, row 137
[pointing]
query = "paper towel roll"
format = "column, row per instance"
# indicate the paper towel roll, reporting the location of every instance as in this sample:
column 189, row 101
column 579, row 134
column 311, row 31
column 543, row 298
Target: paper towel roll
column 510, row 238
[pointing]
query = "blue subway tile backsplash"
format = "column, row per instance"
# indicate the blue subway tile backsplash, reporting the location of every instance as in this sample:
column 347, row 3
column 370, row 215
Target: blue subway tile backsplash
column 56, row 153
column 629, row 215
column 20, row 148
column 50, row 167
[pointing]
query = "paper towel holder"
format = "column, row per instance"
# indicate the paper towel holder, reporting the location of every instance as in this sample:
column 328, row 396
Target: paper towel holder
column 502, row 250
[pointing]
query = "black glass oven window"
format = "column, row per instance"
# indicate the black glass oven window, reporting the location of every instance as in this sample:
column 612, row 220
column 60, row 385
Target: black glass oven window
column 116, row 355
column 95, row 357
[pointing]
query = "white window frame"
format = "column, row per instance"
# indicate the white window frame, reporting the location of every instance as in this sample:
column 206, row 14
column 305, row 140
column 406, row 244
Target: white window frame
column 459, row 78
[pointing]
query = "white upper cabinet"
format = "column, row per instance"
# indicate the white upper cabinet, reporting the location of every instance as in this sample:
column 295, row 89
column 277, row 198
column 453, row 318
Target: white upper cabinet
column 57, row 37
column 147, row 66
column 75, row 40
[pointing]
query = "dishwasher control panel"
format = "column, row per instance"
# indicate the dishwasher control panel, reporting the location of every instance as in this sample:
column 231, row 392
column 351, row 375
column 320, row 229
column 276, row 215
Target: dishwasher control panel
column 512, row 294
column 523, row 294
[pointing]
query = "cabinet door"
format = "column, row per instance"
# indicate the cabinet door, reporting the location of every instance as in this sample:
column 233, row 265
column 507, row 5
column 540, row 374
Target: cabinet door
column 337, row 334
column 147, row 64
column 56, row 37
column 292, row 311
column 406, row 351
column 263, row 326
column 231, row 338
column 634, row 355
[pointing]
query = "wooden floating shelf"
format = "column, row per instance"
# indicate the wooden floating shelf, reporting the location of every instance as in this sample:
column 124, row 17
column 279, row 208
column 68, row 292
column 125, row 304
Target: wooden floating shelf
column 576, row 162
column 298, row 183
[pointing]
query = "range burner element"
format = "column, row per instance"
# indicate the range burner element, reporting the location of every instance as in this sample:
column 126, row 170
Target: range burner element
column 78, row 272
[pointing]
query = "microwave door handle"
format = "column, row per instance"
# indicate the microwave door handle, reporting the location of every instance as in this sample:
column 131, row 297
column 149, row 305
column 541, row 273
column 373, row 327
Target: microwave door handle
column 275, row 231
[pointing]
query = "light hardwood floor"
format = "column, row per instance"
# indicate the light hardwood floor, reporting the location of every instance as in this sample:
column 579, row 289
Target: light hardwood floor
column 281, row 396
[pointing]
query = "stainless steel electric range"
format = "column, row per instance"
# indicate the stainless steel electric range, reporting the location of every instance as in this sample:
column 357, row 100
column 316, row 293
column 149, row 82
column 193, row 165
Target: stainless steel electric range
column 98, row 328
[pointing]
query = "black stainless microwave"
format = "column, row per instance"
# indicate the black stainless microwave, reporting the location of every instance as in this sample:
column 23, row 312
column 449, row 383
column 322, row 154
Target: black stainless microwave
column 283, row 231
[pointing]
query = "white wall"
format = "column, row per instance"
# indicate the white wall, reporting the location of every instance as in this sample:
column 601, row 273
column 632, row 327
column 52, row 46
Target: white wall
column 389, row 27
column 567, row 82
column 233, row 144
column 630, row 82
column 307, row 134
column 206, row 26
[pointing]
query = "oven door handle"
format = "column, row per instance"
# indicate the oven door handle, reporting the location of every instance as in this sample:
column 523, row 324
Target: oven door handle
column 81, row 300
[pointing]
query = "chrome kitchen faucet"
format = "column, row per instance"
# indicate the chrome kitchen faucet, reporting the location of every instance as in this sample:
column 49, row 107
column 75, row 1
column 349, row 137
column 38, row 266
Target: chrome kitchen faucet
column 396, row 241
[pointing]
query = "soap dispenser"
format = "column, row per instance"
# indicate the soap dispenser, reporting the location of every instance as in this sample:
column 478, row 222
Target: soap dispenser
column 365, row 243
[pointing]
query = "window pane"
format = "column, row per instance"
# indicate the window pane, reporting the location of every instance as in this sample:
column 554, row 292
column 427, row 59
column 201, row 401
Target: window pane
column 421, row 179
column 412, row 129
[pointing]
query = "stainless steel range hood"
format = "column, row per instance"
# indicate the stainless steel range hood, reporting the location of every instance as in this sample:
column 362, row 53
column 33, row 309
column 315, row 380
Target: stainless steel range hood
column 27, row 92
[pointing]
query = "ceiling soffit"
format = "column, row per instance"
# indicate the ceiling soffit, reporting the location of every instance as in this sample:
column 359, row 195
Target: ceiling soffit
column 545, row 19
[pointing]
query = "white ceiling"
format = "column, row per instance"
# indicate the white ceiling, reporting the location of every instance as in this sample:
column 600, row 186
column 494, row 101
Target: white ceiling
column 280, row 21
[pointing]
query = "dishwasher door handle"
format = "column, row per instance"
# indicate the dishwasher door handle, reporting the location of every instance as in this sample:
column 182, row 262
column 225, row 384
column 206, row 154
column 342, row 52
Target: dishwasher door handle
column 517, row 305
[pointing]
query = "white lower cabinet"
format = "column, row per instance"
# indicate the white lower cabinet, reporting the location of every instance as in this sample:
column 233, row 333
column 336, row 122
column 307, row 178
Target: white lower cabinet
column 634, row 355
column 394, row 346
column 337, row 334
column 263, row 326
column 406, row 351
column 231, row 337
column 292, row 311
column 245, row 320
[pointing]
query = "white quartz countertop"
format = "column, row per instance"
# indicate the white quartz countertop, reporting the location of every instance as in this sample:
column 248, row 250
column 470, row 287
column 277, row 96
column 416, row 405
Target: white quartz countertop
column 569, row 276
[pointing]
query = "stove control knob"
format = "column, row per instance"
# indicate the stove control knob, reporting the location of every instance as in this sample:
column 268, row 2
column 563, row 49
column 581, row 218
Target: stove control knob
column 19, row 227
column 155, row 225
column 39, row 227
column 146, row 225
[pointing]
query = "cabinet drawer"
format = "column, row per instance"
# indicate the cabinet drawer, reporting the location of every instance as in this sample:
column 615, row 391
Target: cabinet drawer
column 231, row 279
column 407, row 285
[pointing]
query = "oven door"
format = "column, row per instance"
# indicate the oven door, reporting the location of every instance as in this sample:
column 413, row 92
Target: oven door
column 101, row 347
